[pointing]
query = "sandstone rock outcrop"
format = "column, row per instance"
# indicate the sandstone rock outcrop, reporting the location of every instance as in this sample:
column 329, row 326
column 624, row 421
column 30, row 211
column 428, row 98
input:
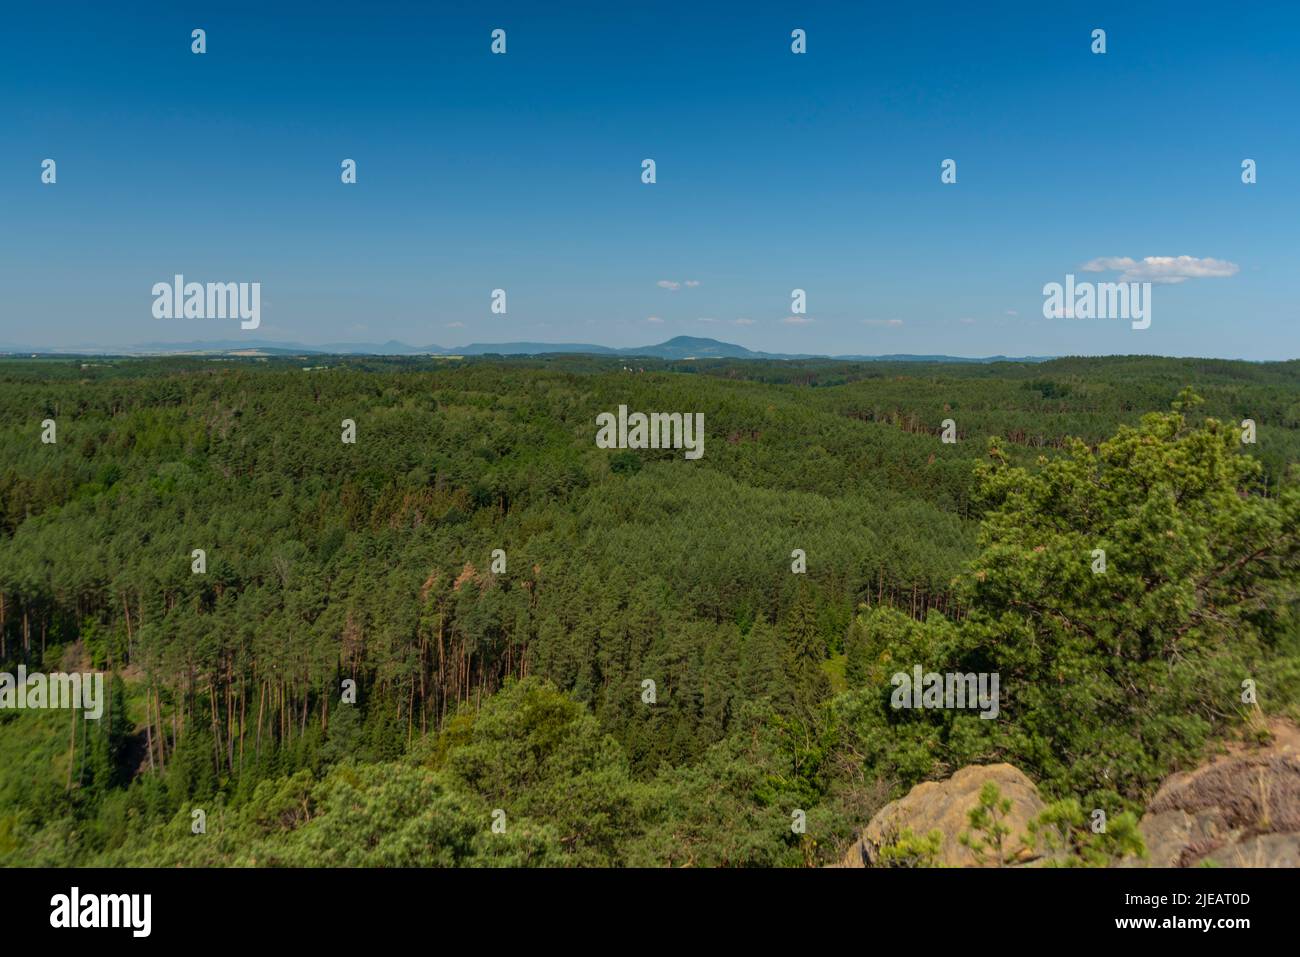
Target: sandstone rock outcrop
column 1241, row 809
column 944, row 805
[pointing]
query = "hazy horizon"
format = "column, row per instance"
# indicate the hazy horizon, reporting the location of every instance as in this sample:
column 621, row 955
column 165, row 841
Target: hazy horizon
column 229, row 346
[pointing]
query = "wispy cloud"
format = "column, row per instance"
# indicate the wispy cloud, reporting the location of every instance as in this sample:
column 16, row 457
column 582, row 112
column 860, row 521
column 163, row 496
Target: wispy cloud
column 706, row 319
column 797, row 320
column 743, row 322
column 966, row 321
column 691, row 283
column 1012, row 313
column 882, row 322
column 653, row 319
column 1162, row 269
column 455, row 325
column 670, row 284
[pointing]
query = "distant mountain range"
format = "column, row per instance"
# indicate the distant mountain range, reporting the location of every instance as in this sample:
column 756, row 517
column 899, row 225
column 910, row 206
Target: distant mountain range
column 680, row 347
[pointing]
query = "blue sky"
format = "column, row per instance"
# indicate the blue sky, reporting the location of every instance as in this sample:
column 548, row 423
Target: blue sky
column 775, row 171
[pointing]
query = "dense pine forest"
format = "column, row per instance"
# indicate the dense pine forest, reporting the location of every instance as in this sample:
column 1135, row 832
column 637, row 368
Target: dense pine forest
column 432, row 646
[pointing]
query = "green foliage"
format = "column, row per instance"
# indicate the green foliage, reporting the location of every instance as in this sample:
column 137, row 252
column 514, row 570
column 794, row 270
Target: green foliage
column 911, row 850
column 988, row 830
column 1109, row 681
column 537, row 753
column 1066, row 839
column 520, row 691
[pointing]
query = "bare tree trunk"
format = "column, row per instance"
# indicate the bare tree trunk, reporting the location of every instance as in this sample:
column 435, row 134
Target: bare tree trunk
column 127, row 609
column 243, row 722
column 162, row 732
column 148, row 724
column 261, row 705
column 72, row 749
column 230, row 718
column 216, row 731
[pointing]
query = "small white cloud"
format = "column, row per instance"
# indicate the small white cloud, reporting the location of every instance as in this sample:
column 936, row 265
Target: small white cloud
column 882, row 322
column 1012, row 313
column 692, row 283
column 653, row 319
column 743, row 322
column 705, row 319
column 455, row 325
column 797, row 320
column 1162, row 269
column 669, row 284
column 966, row 321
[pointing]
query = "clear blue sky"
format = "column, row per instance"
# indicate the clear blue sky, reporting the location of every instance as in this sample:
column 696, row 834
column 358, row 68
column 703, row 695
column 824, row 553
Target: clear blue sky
column 775, row 171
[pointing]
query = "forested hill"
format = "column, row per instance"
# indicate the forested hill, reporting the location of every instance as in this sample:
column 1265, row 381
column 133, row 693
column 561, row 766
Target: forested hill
column 522, row 689
column 678, row 347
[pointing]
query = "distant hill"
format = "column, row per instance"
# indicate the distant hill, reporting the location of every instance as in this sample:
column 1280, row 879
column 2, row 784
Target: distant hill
column 526, row 349
column 693, row 347
column 679, row 347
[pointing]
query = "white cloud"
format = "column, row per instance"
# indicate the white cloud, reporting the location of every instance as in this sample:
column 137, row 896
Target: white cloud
column 653, row 319
column 797, row 320
column 1012, row 313
column 743, row 322
column 669, row 284
column 1163, row 269
column 882, row 322
column 692, row 283
column 967, row 321
column 455, row 325
column 705, row 319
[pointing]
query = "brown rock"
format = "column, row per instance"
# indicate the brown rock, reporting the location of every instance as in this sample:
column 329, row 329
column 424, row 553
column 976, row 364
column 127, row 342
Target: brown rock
column 1241, row 809
column 1262, row 850
column 944, row 805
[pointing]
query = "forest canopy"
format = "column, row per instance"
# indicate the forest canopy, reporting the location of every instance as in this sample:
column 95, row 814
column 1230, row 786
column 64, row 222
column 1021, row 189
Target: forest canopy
column 497, row 591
